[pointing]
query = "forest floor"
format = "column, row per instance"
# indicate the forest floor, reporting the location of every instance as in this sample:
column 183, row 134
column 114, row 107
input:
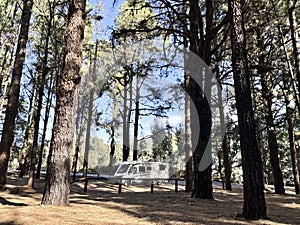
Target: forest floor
column 136, row 205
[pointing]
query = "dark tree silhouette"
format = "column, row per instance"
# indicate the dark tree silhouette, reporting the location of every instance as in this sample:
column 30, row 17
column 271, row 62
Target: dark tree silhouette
column 254, row 199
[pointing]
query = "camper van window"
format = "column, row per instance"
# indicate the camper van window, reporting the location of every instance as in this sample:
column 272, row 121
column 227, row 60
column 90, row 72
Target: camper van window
column 162, row 167
column 123, row 168
column 142, row 169
column 133, row 170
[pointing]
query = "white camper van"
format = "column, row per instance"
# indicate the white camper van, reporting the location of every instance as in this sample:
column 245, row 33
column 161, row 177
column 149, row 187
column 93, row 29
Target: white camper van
column 135, row 170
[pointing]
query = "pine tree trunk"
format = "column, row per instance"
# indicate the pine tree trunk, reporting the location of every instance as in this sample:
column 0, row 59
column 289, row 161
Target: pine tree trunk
column 254, row 199
column 28, row 137
column 80, row 127
column 57, row 188
column 14, row 92
column 37, row 116
column 32, row 155
column 112, row 149
column 200, row 45
column 294, row 158
column 43, row 140
column 136, row 118
column 129, row 117
column 88, row 131
column 189, row 185
column 272, row 139
column 189, row 175
column 6, row 64
column 90, row 110
column 112, row 136
column 225, row 148
column 125, row 122
column 289, row 117
column 295, row 44
column 226, row 161
column 202, row 178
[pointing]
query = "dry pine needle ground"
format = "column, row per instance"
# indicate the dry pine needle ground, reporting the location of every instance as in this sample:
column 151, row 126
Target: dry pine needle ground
column 136, row 205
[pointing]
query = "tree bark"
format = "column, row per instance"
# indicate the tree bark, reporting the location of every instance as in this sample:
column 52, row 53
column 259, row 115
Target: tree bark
column 254, row 200
column 225, row 147
column 189, row 183
column 202, row 178
column 125, row 121
column 43, row 140
column 294, row 158
column 4, row 66
column 226, row 161
column 272, row 139
column 127, row 112
column 57, row 188
column 14, row 92
column 200, row 44
column 27, row 143
column 80, row 127
column 136, row 118
column 112, row 136
column 289, row 118
column 37, row 116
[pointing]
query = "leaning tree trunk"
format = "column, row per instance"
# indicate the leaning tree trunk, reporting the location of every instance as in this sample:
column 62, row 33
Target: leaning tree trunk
column 14, row 92
column 57, row 188
column 254, row 199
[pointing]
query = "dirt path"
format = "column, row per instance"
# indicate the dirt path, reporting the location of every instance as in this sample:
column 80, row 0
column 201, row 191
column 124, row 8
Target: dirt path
column 136, row 205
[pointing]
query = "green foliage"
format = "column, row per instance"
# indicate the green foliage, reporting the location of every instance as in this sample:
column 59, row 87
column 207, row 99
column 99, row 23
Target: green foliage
column 134, row 16
column 98, row 154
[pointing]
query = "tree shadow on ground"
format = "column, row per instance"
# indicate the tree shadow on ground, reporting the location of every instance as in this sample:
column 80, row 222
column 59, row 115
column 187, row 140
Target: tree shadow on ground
column 6, row 202
column 165, row 206
column 19, row 188
column 9, row 223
